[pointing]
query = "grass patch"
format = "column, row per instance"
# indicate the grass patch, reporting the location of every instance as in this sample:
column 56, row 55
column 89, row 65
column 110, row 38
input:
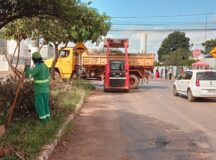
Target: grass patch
column 27, row 137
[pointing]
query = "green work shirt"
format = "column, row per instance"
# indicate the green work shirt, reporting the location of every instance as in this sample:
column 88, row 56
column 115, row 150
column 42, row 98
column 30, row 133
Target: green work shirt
column 40, row 74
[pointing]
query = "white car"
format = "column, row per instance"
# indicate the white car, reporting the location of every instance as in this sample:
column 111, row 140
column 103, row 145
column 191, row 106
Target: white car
column 196, row 83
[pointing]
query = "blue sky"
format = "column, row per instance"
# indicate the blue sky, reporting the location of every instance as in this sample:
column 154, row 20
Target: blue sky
column 180, row 14
column 152, row 7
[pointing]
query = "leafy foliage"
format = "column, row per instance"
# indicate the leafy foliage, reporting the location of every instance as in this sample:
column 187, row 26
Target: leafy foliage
column 27, row 135
column 187, row 62
column 11, row 10
column 84, row 23
column 209, row 45
column 25, row 107
column 173, row 42
column 176, row 57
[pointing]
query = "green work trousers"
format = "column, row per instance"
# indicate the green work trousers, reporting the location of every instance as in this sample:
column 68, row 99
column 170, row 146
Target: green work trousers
column 42, row 106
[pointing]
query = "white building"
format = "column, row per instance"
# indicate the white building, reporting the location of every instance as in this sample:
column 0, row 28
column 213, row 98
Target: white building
column 26, row 50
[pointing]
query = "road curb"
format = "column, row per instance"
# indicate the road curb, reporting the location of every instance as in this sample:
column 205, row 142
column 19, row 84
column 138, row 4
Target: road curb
column 48, row 149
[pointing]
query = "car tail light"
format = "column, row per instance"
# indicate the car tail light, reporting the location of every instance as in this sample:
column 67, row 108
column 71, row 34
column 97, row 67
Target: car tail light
column 197, row 82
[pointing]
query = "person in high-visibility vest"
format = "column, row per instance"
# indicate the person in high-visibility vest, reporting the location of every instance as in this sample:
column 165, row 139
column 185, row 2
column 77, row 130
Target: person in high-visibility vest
column 40, row 74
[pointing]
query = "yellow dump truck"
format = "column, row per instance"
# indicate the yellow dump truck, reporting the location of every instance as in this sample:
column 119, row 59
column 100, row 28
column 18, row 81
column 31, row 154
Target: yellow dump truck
column 65, row 65
column 93, row 65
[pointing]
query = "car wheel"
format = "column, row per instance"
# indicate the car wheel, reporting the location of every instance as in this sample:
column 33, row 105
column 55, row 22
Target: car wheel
column 175, row 93
column 190, row 96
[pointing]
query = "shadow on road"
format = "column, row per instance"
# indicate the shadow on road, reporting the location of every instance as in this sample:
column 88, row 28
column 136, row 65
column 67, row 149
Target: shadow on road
column 106, row 133
column 151, row 139
column 200, row 100
column 147, row 87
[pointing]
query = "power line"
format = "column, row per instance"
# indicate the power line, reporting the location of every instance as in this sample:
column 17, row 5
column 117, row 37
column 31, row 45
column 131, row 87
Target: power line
column 163, row 23
column 162, row 30
column 159, row 24
column 188, row 22
column 166, row 16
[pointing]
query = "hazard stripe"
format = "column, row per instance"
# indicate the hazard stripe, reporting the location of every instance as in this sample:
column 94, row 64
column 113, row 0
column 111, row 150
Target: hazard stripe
column 42, row 117
column 41, row 81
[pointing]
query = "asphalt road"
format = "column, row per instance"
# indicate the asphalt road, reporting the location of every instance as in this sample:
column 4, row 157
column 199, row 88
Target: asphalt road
column 145, row 124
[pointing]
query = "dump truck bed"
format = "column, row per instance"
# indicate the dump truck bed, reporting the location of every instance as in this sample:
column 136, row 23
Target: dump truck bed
column 136, row 60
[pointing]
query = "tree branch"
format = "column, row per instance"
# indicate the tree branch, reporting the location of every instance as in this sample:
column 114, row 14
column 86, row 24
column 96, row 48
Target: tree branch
column 18, row 56
column 41, row 47
column 18, row 73
column 63, row 47
column 18, row 44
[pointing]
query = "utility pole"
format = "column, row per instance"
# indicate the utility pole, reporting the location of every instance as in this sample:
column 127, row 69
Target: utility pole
column 143, row 42
column 145, row 51
column 206, row 18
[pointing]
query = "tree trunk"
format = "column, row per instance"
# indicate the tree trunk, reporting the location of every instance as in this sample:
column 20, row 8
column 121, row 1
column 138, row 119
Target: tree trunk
column 55, row 60
column 18, row 42
column 18, row 55
column 41, row 47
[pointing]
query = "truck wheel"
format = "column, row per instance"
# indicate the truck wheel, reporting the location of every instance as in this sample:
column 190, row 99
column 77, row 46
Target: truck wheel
column 127, row 90
column 134, row 81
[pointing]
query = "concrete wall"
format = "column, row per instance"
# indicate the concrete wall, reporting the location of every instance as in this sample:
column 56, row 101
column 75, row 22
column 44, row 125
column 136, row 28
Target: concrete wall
column 47, row 52
column 3, row 64
column 211, row 62
column 24, row 48
column 3, row 43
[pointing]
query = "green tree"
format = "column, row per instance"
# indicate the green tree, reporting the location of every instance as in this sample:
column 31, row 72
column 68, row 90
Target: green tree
column 176, row 57
column 187, row 62
column 174, row 41
column 12, row 10
column 18, row 31
column 84, row 24
column 209, row 45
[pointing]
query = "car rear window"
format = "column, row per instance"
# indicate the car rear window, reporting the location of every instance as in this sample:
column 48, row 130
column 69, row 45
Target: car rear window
column 206, row 75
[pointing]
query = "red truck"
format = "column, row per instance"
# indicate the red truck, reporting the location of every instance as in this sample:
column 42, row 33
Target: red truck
column 116, row 70
column 94, row 65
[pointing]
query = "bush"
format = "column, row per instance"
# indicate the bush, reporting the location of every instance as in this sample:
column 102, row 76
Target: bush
column 28, row 136
column 25, row 107
column 187, row 62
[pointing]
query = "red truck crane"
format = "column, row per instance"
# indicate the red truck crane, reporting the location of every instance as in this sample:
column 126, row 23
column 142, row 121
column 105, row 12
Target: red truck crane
column 117, row 70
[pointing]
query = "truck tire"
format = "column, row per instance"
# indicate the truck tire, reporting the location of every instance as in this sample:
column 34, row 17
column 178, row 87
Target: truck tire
column 134, row 81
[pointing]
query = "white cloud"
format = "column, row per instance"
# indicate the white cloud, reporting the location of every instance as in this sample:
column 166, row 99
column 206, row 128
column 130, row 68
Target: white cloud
column 155, row 38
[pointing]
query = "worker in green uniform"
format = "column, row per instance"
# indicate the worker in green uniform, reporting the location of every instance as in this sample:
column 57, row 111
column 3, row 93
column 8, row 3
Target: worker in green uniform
column 40, row 74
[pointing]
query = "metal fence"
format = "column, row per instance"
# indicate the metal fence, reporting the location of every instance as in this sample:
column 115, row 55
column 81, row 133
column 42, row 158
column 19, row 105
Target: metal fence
column 175, row 70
